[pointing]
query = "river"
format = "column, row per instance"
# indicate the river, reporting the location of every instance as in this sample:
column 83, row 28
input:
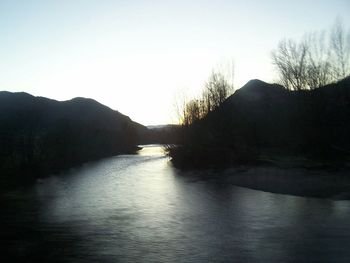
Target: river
column 138, row 208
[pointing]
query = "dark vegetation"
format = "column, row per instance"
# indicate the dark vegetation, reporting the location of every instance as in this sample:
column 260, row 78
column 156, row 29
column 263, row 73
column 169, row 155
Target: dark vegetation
column 266, row 123
column 39, row 136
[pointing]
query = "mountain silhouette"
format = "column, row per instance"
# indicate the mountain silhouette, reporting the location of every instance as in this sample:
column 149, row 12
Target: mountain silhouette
column 39, row 136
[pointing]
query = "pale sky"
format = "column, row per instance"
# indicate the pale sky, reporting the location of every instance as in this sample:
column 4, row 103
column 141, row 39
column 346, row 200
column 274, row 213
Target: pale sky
column 137, row 56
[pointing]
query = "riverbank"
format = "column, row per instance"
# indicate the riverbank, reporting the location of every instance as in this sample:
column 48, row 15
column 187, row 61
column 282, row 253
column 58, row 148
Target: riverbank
column 332, row 184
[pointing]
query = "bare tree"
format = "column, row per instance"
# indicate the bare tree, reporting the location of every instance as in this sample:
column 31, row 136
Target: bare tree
column 340, row 46
column 316, row 60
column 215, row 91
column 290, row 59
column 179, row 106
column 319, row 70
column 192, row 112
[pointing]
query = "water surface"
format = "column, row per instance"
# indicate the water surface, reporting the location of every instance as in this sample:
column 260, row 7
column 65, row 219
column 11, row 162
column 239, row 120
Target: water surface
column 138, row 208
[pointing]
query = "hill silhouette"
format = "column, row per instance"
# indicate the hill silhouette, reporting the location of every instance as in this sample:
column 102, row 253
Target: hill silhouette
column 263, row 121
column 39, row 136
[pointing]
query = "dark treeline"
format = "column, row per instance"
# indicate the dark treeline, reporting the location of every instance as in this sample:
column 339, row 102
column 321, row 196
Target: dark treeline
column 261, row 121
column 39, row 136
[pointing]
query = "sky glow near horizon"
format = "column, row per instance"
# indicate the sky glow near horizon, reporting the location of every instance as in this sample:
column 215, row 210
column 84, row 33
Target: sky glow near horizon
column 137, row 56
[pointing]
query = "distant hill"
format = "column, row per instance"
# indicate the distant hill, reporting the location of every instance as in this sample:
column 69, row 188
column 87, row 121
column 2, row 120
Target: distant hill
column 162, row 134
column 262, row 120
column 39, row 136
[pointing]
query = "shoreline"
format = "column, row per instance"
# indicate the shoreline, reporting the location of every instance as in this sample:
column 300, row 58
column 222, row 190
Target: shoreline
column 329, row 184
column 333, row 184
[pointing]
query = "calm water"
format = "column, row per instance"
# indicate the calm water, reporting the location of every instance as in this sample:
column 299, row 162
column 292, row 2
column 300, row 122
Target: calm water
column 138, row 208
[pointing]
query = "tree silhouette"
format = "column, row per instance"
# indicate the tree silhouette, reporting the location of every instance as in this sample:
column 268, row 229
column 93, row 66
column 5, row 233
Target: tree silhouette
column 217, row 88
column 290, row 58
